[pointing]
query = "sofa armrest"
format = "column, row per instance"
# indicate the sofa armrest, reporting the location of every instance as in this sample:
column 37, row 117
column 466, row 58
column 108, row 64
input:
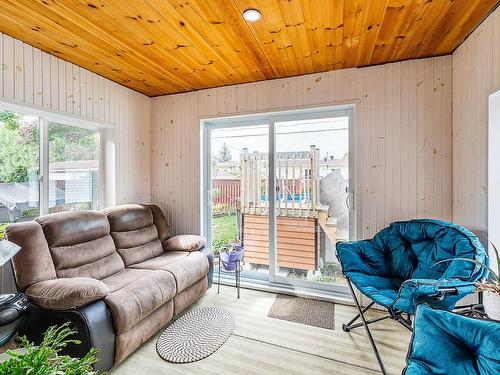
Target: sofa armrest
column 210, row 256
column 66, row 293
column 185, row 242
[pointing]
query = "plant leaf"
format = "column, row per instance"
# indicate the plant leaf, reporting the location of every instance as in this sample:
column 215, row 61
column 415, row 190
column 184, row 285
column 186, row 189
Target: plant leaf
column 471, row 261
column 496, row 251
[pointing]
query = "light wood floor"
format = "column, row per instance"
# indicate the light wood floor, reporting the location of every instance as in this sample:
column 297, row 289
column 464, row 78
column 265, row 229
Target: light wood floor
column 266, row 346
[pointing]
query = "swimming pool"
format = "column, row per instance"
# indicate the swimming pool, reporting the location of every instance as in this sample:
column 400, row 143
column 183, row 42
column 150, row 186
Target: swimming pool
column 297, row 198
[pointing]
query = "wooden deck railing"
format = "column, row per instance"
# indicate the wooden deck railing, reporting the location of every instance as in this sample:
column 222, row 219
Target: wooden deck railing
column 297, row 183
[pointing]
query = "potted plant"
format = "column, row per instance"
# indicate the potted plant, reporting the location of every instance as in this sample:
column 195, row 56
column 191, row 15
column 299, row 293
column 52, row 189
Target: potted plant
column 491, row 285
column 45, row 359
column 230, row 256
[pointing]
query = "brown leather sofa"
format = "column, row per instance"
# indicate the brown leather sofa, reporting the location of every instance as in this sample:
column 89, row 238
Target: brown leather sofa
column 118, row 275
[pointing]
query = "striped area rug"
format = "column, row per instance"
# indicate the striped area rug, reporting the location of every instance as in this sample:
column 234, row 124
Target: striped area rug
column 195, row 335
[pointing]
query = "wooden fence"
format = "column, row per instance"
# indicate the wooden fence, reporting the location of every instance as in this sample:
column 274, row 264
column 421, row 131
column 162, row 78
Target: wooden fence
column 226, row 191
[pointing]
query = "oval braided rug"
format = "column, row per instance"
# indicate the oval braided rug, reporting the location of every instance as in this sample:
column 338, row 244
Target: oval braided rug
column 195, row 335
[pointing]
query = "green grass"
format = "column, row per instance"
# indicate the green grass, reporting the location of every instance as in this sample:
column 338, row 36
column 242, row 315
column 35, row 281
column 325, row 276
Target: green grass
column 2, row 229
column 225, row 232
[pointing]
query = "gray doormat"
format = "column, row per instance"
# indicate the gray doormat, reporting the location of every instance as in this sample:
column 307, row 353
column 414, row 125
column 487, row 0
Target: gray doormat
column 303, row 310
column 195, row 335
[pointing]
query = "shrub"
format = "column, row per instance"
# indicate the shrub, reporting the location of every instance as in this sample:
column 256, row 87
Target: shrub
column 220, row 209
column 2, row 229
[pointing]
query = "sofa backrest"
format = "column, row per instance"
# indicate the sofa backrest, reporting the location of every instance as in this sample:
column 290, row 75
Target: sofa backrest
column 86, row 243
column 80, row 244
column 161, row 223
column 134, row 232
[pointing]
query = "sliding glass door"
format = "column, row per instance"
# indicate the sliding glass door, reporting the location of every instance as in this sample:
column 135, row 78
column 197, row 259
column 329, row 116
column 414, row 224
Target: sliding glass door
column 280, row 186
column 312, row 197
column 235, row 153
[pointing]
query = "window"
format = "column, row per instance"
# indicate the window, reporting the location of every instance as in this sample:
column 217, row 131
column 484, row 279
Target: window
column 32, row 147
column 73, row 168
column 19, row 168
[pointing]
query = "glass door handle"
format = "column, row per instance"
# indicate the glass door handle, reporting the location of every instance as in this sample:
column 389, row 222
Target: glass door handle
column 350, row 194
column 210, row 197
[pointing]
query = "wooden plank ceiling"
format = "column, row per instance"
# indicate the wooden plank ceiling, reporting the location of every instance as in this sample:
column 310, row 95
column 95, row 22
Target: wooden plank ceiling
column 167, row 46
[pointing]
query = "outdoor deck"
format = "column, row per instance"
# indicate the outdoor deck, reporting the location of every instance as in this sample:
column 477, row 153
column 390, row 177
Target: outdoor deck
column 300, row 216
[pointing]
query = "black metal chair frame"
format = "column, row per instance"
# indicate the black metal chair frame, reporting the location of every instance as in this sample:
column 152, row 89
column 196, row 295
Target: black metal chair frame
column 399, row 316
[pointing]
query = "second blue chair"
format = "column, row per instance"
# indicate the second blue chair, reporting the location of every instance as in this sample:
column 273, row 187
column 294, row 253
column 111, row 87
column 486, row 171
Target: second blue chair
column 396, row 270
column 447, row 343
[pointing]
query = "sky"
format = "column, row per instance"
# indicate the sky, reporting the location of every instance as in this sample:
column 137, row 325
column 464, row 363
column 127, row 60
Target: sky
column 331, row 136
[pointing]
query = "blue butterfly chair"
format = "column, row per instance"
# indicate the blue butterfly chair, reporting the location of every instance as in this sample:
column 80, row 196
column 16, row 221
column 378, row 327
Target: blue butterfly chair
column 397, row 269
column 447, row 343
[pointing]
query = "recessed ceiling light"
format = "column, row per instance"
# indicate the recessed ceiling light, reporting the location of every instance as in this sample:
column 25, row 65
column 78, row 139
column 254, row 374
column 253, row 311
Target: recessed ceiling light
column 251, row 15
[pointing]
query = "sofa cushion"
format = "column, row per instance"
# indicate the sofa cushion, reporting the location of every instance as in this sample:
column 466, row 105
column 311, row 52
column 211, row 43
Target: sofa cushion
column 185, row 243
column 129, row 341
column 160, row 261
column 80, row 244
column 134, row 233
column 66, row 293
column 73, row 227
column 136, row 300
column 187, row 270
column 127, row 217
column 189, row 295
column 33, row 263
column 124, row 277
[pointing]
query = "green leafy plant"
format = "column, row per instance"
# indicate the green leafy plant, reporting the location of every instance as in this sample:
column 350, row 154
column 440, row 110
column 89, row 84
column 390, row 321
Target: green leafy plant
column 2, row 229
column 330, row 273
column 220, row 209
column 45, row 359
column 492, row 283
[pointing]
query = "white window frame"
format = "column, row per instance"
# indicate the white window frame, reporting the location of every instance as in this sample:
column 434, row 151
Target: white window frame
column 107, row 165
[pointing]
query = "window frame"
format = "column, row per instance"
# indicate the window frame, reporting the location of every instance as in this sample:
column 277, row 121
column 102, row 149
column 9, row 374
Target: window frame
column 106, row 149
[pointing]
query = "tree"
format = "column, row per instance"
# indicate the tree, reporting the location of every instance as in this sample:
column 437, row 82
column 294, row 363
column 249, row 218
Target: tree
column 18, row 148
column 19, row 145
column 11, row 120
column 224, row 153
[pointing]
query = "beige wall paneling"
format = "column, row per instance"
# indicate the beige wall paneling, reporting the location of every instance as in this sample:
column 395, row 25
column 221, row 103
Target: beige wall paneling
column 476, row 72
column 403, row 137
column 34, row 78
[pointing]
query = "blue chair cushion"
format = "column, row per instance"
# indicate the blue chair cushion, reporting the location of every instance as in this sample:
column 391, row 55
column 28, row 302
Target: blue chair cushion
column 407, row 250
column 448, row 343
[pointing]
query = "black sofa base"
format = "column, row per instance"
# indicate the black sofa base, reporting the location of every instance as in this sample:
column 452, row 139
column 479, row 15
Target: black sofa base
column 94, row 326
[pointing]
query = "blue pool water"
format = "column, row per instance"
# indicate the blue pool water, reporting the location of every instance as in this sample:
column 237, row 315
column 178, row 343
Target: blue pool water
column 289, row 198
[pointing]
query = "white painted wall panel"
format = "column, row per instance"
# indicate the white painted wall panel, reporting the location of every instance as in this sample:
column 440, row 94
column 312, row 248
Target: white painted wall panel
column 403, row 137
column 476, row 72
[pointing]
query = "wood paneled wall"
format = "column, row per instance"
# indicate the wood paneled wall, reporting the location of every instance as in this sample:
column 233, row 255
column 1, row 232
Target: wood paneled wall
column 403, row 137
column 29, row 76
column 476, row 72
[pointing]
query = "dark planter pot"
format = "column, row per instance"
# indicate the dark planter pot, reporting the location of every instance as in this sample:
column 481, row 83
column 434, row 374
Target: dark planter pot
column 230, row 258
